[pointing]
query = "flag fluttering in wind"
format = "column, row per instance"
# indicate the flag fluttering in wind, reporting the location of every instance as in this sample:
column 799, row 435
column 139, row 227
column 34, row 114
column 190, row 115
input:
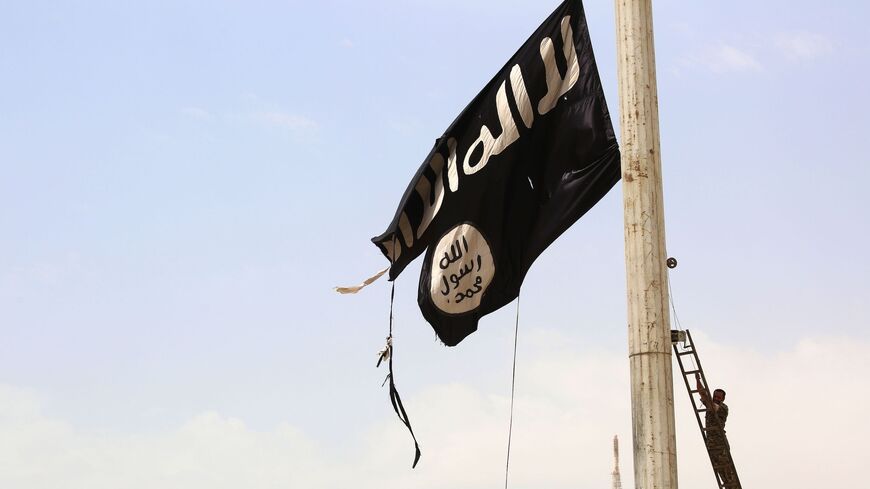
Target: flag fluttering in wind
column 527, row 157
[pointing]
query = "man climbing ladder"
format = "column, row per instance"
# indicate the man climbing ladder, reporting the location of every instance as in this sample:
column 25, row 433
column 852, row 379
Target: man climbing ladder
column 717, row 441
column 714, row 409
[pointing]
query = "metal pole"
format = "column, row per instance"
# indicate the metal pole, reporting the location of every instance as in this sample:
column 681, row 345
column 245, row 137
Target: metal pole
column 649, row 340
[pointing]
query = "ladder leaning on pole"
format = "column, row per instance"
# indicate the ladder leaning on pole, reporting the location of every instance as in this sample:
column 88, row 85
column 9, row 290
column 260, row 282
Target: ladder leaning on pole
column 714, row 436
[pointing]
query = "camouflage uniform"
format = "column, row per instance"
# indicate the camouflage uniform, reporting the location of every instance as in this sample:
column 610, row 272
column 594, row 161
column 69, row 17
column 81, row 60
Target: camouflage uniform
column 717, row 445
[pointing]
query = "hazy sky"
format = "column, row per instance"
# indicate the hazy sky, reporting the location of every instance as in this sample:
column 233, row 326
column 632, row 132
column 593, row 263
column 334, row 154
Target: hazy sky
column 183, row 182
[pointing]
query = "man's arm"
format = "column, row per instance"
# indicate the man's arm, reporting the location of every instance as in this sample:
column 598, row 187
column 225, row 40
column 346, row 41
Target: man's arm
column 705, row 395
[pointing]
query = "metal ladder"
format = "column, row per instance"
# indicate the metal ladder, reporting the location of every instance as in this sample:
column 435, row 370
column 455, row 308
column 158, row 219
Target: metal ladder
column 719, row 452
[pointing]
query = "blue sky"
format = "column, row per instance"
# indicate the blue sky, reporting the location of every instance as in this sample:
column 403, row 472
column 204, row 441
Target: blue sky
column 182, row 184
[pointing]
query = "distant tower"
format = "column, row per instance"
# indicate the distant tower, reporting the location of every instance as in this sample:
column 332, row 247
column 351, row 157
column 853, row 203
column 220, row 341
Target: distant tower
column 617, row 483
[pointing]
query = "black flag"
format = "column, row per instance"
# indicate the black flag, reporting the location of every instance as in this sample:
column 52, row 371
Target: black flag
column 530, row 154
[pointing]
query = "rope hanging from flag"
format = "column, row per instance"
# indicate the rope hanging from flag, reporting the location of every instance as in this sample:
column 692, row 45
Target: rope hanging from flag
column 387, row 354
column 507, row 464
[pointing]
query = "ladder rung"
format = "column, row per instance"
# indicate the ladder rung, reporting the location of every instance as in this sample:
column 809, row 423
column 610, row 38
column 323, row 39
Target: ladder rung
column 681, row 353
column 690, row 372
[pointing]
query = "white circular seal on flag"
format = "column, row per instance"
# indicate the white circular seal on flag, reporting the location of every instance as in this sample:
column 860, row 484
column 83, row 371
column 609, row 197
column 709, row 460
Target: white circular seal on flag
column 461, row 270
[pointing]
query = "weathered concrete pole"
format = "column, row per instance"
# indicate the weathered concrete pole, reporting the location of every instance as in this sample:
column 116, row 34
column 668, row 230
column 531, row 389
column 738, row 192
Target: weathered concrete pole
column 649, row 343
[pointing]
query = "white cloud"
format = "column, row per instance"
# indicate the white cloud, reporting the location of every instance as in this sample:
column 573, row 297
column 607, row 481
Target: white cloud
column 196, row 113
column 799, row 46
column 725, row 58
column 795, row 422
column 282, row 119
column 36, row 279
column 210, row 451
